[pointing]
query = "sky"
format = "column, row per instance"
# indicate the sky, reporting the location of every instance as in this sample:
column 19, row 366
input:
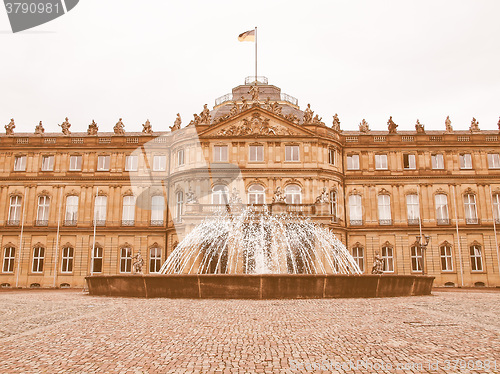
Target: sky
column 138, row 60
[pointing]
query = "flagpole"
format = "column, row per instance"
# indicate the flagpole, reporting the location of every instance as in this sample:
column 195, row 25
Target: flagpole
column 255, row 55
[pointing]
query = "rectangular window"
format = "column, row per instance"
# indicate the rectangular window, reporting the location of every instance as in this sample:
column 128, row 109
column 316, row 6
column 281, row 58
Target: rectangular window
column 292, row 153
column 256, row 153
column 179, row 202
column 102, row 163
column 154, row 260
column 125, row 260
column 75, row 163
column 97, row 260
column 159, row 163
column 409, row 162
column 67, row 260
column 470, row 209
column 384, row 210
column 20, row 163
column 71, row 214
column 416, row 258
column 157, row 209
column 355, row 210
column 441, row 202
column 387, row 259
column 14, row 210
column 331, row 156
column 381, row 162
column 475, row 258
column 446, row 259
column 42, row 214
column 496, row 207
column 131, row 163
column 128, row 212
column 180, row 157
column 437, row 161
column 100, row 206
column 47, row 163
column 358, row 255
column 9, row 255
column 413, row 209
column 38, row 257
column 353, row 162
column 333, row 205
column 465, row 161
column 220, row 153
column 493, row 160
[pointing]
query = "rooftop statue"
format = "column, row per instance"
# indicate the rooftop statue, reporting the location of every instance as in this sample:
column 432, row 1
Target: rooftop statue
column 244, row 105
column 498, row 124
column 93, row 128
column 323, row 197
column 196, row 120
column 419, row 127
column 39, row 130
column 308, row 115
column 65, row 127
column 363, row 126
column 317, row 120
column 447, row 123
column 235, row 109
column 474, row 125
column 205, row 115
column 119, row 128
column 177, row 123
column 336, row 123
column 392, row 126
column 275, row 108
column 9, row 128
column 146, row 127
column 254, row 92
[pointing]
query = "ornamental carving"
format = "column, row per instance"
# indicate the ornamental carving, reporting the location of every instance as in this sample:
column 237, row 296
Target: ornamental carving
column 255, row 125
column 446, row 243
column 474, row 125
column 358, row 245
column 383, row 191
column 9, row 128
column 39, row 130
column 419, row 128
column 469, row 191
column 93, row 128
column 387, row 244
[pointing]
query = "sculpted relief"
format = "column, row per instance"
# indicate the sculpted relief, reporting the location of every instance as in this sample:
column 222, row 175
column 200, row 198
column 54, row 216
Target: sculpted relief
column 254, row 125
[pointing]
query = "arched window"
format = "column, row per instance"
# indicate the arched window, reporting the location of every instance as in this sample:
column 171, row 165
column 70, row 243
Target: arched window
column 71, row 214
column 179, row 202
column 384, row 210
column 256, row 194
column 413, row 209
column 126, row 260
column 470, row 209
column 220, row 194
column 100, row 206
column 42, row 214
column 293, row 194
column 128, row 212
column 476, row 260
column 441, row 201
column 14, row 210
column 154, row 259
column 157, row 210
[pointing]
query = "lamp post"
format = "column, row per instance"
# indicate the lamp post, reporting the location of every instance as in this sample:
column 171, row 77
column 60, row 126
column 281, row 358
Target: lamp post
column 423, row 247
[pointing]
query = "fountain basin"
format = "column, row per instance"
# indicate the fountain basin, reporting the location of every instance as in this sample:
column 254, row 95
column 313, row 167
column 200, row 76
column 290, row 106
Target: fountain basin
column 259, row 286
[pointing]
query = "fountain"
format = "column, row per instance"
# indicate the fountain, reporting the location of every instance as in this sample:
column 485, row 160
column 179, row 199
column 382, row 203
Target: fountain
column 257, row 255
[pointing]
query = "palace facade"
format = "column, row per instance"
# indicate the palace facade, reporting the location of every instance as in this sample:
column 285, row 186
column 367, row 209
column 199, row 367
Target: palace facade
column 74, row 204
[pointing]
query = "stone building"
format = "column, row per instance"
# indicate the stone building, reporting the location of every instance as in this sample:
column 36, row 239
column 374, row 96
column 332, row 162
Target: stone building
column 72, row 204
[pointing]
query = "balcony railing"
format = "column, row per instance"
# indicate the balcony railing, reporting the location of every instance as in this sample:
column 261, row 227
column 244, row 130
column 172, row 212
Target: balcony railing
column 443, row 221
column 356, row 222
column 385, row 222
column 260, row 79
column 41, row 222
column 156, row 222
column 289, row 99
column 300, row 208
column 413, row 221
column 13, row 222
column 99, row 222
column 128, row 222
column 69, row 222
column 471, row 221
column 223, row 99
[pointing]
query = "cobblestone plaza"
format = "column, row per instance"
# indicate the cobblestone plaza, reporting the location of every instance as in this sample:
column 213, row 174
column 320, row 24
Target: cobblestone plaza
column 62, row 331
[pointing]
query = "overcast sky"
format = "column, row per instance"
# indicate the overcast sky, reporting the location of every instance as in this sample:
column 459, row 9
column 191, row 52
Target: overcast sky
column 141, row 60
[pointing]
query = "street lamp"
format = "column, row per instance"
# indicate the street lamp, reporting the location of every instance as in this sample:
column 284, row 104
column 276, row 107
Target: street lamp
column 423, row 247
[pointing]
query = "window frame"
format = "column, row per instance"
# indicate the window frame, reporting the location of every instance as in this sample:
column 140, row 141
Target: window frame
column 258, row 151
column 446, row 257
column 51, row 163
column 470, row 208
column 125, row 260
column 355, row 211
column 409, row 161
column 155, row 262
column 39, row 259
column 493, row 161
column 157, row 210
column 465, row 163
column 23, row 162
column 180, row 157
column 437, row 161
column 222, row 194
column 131, row 163
column 159, row 163
column 352, row 162
column 387, row 258
column 71, row 210
column 384, row 209
column 128, row 210
column 256, row 196
column 179, row 205
column 79, row 162
column 412, row 207
column 292, row 150
column 97, row 259
column 103, row 162
column 416, row 258
column 331, row 156
column 43, row 210
column 291, row 195
column 67, row 259
column 9, row 259
column 221, row 153
column 100, row 214
column 440, row 208
column 359, row 258
column 476, row 258
column 381, row 161
column 16, row 208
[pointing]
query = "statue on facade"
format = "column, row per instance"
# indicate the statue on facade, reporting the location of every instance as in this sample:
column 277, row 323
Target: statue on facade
column 93, row 128
column 392, row 126
column 254, row 92
column 177, row 123
column 447, row 123
column 419, row 127
column 363, row 126
column 196, row 120
column 244, row 104
column 267, row 103
column 235, row 109
column 308, row 114
column 138, row 263
column 317, row 120
column 336, row 123
column 275, row 108
column 65, row 127
column 378, row 264
column 147, row 128
column 191, row 198
column 279, row 196
column 498, row 124
column 205, row 115
column 39, row 130
column 323, row 196
column 9, row 128
column 235, row 197
column 474, row 125
column 119, row 128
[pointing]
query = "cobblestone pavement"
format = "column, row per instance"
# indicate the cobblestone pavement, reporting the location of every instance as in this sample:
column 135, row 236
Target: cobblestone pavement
column 63, row 331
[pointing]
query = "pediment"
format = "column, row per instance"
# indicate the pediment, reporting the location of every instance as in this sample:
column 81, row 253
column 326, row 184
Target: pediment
column 256, row 122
